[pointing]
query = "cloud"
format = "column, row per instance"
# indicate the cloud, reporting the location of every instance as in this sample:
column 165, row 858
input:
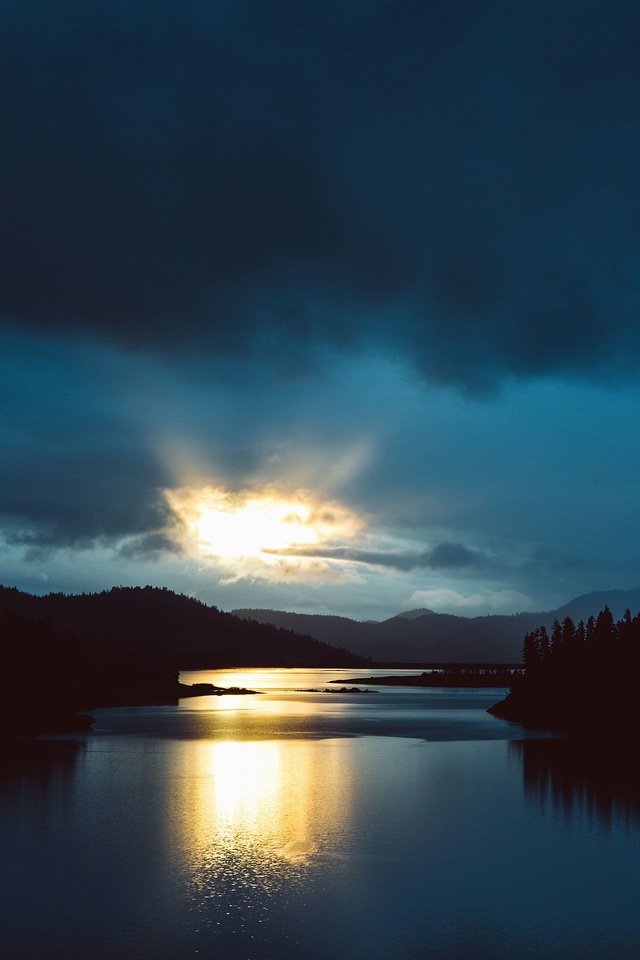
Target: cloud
column 450, row 556
column 444, row 556
column 453, row 183
column 74, row 470
column 75, row 498
column 151, row 547
column 535, row 489
column 477, row 604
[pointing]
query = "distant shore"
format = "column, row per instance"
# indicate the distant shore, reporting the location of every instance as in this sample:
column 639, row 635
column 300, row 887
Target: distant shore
column 451, row 677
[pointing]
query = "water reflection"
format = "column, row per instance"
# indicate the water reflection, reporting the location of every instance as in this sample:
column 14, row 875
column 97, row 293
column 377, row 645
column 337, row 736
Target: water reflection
column 37, row 773
column 303, row 704
column 276, row 678
column 248, row 820
column 581, row 777
column 172, row 845
column 285, row 800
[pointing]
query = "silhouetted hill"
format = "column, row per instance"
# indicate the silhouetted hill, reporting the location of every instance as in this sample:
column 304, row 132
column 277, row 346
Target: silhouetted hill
column 428, row 637
column 51, row 677
column 159, row 624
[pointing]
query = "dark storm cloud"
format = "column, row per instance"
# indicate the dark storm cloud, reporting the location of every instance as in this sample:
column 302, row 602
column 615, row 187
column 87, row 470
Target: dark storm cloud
column 73, row 469
column 74, row 501
column 450, row 556
column 456, row 181
column 153, row 546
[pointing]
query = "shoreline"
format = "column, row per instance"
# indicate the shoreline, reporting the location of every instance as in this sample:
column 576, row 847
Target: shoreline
column 468, row 679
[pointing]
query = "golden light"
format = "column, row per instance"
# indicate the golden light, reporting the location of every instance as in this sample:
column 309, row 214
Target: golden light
column 247, row 528
column 258, row 804
column 245, row 525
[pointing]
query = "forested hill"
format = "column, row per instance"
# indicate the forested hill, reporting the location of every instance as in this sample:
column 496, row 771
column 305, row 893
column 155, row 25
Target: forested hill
column 51, row 678
column 158, row 623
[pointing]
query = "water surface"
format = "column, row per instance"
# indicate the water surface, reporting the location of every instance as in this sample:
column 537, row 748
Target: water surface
column 402, row 823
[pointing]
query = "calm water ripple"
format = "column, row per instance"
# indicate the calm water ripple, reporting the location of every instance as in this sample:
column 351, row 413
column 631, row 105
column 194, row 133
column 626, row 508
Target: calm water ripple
column 401, row 824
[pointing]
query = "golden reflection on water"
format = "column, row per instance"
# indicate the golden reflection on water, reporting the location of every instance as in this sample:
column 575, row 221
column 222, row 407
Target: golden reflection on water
column 273, row 678
column 230, row 705
column 257, row 809
column 259, row 718
column 246, row 821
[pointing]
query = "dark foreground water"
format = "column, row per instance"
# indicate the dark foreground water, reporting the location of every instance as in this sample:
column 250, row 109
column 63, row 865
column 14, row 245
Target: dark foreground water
column 403, row 824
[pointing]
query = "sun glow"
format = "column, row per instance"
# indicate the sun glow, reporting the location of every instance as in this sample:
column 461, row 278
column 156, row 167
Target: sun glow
column 247, row 525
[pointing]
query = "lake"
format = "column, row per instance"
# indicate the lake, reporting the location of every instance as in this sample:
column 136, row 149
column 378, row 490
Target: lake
column 404, row 824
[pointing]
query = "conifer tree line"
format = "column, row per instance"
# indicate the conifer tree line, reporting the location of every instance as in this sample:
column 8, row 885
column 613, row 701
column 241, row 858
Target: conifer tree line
column 578, row 677
column 600, row 637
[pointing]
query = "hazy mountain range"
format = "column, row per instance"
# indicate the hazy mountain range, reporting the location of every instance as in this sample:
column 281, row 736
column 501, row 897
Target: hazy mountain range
column 159, row 624
column 422, row 636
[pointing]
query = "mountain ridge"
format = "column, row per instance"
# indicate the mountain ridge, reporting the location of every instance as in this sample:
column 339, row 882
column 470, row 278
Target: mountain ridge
column 443, row 637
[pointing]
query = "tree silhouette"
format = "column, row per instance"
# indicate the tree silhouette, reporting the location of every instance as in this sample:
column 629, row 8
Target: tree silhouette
column 584, row 678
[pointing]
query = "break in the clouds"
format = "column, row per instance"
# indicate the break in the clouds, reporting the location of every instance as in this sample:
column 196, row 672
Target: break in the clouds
column 454, row 182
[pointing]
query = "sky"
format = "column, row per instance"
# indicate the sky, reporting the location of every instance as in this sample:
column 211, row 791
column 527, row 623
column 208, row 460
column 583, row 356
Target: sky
column 322, row 307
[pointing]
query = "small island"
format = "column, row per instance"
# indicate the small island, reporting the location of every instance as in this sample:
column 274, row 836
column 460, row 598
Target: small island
column 209, row 690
